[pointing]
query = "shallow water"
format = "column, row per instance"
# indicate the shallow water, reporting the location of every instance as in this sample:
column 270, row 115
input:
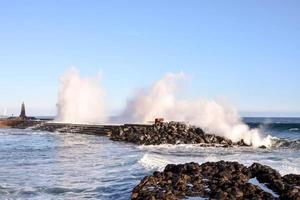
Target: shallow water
column 43, row 165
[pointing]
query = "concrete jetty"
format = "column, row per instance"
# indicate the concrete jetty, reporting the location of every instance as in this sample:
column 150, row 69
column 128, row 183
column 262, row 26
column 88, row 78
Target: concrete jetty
column 89, row 129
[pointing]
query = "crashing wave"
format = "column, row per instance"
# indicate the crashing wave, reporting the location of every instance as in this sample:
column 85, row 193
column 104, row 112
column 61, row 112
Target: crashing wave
column 285, row 143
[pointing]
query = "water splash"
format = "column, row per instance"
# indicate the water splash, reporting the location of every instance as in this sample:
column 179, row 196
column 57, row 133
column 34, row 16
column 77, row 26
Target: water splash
column 80, row 100
column 160, row 100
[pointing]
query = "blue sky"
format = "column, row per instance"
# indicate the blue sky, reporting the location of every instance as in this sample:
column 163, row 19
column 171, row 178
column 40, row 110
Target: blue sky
column 245, row 51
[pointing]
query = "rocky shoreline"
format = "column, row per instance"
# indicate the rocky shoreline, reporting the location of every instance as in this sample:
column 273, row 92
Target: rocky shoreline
column 217, row 180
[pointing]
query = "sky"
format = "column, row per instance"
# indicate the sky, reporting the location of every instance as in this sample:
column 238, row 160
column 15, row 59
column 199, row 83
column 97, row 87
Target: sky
column 247, row 52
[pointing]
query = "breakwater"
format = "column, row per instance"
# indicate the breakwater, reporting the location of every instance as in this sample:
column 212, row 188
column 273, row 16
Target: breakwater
column 141, row 134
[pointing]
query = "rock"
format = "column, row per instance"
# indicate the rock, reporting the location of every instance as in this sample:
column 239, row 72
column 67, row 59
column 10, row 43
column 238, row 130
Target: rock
column 169, row 133
column 215, row 180
column 291, row 194
column 292, row 179
column 134, row 195
column 267, row 175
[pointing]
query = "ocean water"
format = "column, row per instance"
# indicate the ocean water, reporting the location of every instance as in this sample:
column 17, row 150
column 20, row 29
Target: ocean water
column 43, row 165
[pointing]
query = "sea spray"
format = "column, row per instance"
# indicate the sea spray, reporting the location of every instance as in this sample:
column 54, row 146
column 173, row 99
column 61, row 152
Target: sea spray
column 80, row 100
column 150, row 103
column 160, row 100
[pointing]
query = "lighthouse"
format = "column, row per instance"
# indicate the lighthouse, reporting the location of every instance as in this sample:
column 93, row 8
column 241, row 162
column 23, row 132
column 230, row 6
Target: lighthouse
column 23, row 113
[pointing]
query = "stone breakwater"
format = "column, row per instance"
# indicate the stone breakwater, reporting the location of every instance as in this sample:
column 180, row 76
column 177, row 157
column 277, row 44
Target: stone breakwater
column 217, row 180
column 169, row 133
column 141, row 134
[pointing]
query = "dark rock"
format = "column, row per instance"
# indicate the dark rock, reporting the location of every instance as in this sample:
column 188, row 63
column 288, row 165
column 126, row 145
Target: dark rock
column 216, row 180
column 292, row 179
column 169, row 133
column 292, row 194
column 267, row 175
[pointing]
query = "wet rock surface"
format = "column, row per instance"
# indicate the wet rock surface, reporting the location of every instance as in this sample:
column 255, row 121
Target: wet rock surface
column 169, row 133
column 216, row 180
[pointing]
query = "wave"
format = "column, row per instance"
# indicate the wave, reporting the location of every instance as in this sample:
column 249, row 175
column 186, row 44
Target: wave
column 154, row 159
column 294, row 129
column 155, row 162
column 285, row 143
column 33, row 191
column 276, row 126
column 275, row 143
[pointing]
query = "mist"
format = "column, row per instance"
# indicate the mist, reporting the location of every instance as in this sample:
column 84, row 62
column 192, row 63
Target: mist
column 81, row 99
column 161, row 101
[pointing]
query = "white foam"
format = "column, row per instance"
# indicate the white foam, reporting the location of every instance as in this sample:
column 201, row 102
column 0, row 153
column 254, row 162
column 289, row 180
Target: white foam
column 294, row 129
column 157, row 157
column 154, row 162
column 196, row 198
column 254, row 181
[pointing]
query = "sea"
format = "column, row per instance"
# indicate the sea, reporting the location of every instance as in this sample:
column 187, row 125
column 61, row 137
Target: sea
column 44, row 165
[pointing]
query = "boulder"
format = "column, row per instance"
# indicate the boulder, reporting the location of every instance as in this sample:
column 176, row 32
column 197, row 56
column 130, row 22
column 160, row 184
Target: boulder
column 169, row 133
column 216, row 180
